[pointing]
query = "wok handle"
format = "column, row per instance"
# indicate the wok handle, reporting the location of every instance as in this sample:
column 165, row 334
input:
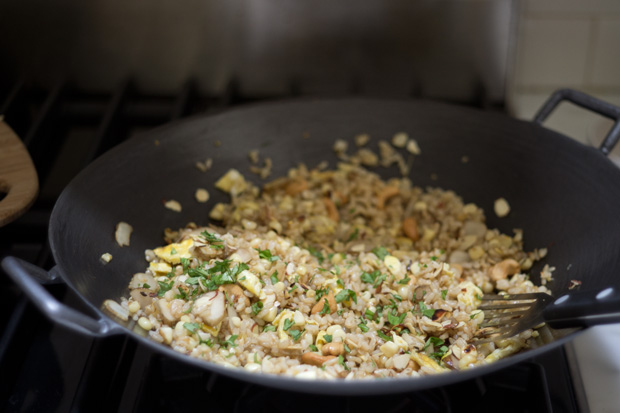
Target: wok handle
column 25, row 275
column 588, row 102
column 584, row 308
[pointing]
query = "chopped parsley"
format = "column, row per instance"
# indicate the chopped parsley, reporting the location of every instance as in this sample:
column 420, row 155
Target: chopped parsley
column 354, row 235
column 326, row 309
column 269, row 327
column 145, row 285
column 433, row 258
column 444, row 294
column 375, row 278
column 208, row 342
column 164, row 287
column 220, row 273
column 321, row 292
column 316, row 253
column 274, row 277
column 185, row 264
column 213, row 240
column 435, row 341
column 428, row 312
column 380, row 252
column 288, row 323
column 266, row 255
column 396, row 319
column 438, row 345
column 257, row 307
column 191, row 327
column 327, row 338
column 346, row 295
column 230, row 341
column 296, row 334
column 404, row 281
column 313, row 347
column 384, row 336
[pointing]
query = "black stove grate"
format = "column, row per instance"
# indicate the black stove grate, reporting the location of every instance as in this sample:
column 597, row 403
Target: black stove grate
column 44, row 367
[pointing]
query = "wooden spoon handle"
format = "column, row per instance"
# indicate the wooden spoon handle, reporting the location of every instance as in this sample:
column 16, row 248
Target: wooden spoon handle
column 18, row 177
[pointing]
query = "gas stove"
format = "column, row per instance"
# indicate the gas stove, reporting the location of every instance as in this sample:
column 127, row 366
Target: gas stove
column 44, row 367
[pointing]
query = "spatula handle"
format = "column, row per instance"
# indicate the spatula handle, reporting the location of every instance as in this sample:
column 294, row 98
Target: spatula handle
column 584, row 308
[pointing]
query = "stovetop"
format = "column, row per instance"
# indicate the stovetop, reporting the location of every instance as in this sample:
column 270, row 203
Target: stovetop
column 44, row 367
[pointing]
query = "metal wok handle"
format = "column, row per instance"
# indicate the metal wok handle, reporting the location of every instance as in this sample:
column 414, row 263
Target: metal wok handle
column 588, row 102
column 25, row 275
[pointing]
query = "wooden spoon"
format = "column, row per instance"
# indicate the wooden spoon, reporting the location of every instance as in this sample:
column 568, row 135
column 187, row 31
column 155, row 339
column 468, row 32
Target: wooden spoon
column 18, row 177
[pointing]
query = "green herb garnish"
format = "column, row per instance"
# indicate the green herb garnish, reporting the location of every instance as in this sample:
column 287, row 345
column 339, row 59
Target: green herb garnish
column 444, row 294
column 164, row 287
column 354, row 235
column 316, row 253
column 346, row 295
column 257, row 307
column 191, row 327
column 274, row 278
column 266, row 255
column 288, row 323
column 428, row 312
column 313, row 347
column 396, row 319
column 296, row 334
column 325, row 309
column 269, row 327
column 384, row 336
column 380, row 252
column 327, row 338
column 213, row 240
column 230, row 341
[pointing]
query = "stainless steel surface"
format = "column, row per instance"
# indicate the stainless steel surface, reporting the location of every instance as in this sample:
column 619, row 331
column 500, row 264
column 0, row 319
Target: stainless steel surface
column 438, row 49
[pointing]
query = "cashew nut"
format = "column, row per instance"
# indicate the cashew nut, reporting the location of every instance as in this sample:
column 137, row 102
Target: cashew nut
column 332, row 211
column 235, row 293
column 318, row 307
column 385, row 194
column 332, row 349
column 295, row 187
column 503, row 269
column 410, row 228
column 315, row 359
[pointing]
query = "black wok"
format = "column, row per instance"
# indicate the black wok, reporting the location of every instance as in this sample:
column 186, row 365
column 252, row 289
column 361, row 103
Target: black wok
column 565, row 196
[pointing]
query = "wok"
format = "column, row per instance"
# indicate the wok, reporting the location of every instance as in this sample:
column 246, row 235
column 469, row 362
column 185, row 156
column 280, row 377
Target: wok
column 564, row 195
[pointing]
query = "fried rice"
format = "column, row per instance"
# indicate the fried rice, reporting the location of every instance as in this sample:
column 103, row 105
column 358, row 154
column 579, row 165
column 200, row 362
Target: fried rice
column 333, row 274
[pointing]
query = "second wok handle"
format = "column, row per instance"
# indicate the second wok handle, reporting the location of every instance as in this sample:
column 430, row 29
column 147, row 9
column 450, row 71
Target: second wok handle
column 25, row 275
column 588, row 102
column 584, row 308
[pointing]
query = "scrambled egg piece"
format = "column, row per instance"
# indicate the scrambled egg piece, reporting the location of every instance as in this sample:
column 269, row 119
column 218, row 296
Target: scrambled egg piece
column 250, row 282
column 173, row 253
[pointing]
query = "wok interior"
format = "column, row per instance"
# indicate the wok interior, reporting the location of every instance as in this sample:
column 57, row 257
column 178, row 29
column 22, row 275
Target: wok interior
column 563, row 195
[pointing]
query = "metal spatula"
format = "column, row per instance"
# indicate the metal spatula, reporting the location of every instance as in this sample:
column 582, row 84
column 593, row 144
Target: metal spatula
column 508, row 315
